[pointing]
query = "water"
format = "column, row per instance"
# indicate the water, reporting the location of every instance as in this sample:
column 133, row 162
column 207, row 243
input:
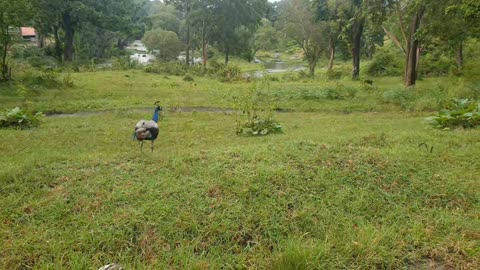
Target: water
column 275, row 67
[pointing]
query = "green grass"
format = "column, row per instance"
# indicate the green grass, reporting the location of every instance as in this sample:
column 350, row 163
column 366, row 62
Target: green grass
column 109, row 90
column 344, row 187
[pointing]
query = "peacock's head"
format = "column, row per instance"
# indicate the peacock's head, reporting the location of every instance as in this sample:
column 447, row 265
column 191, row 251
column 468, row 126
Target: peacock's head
column 158, row 108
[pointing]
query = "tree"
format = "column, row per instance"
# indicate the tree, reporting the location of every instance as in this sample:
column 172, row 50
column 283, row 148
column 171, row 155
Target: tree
column 329, row 11
column 184, row 6
column 70, row 15
column 13, row 14
column 411, row 18
column 311, row 35
column 166, row 42
column 203, row 20
column 266, row 37
column 230, row 15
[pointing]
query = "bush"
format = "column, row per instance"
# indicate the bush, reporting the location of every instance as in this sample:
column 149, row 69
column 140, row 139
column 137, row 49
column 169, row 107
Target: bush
column 385, row 64
column 463, row 113
column 119, row 63
column 401, row 97
column 254, row 115
column 226, row 73
column 166, row 42
column 67, row 80
column 18, row 118
column 188, row 78
column 435, row 64
column 46, row 78
column 339, row 92
column 169, row 68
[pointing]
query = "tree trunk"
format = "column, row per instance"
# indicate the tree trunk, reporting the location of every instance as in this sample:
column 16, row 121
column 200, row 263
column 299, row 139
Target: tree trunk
column 5, row 73
column 5, row 39
column 58, row 45
column 332, row 54
column 311, row 68
column 460, row 56
column 227, row 52
column 204, row 46
column 187, row 56
column 356, row 50
column 412, row 55
column 40, row 40
column 69, row 35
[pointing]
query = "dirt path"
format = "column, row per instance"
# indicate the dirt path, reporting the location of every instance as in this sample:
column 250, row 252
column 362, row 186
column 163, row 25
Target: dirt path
column 170, row 110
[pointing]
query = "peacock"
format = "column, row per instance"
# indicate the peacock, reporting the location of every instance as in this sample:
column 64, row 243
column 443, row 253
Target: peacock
column 147, row 130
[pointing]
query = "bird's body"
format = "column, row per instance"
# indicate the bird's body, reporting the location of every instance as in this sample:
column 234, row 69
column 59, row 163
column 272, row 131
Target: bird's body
column 147, row 130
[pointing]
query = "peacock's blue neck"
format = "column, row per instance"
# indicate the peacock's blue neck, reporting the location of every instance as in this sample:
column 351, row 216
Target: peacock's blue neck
column 155, row 116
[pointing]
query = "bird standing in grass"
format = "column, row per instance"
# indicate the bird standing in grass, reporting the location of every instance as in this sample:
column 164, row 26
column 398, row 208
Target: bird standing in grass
column 147, row 130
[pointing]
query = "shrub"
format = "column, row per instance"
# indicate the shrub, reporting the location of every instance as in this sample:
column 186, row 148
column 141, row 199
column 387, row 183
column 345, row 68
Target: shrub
column 334, row 74
column 463, row 113
column 339, row 92
column 385, row 64
column 169, row 68
column 290, row 76
column 19, row 118
column 254, row 115
column 435, row 64
column 166, row 42
column 46, row 78
column 67, row 80
column 226, row 73
column 121, row 63
column 401, row 97
column 188, row 78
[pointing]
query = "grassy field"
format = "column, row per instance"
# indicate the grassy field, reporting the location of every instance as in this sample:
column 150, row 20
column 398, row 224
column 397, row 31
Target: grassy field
column 344, row 187
column 94, row 91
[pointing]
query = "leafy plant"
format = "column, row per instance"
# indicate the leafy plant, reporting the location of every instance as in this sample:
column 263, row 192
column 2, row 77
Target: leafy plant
column 254, row 115
column 67, row 80
column 19, row 118
column 463, row 113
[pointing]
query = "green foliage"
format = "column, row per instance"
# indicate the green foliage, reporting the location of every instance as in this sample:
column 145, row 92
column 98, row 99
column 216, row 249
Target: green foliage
column 463, row 113
column 171, row 68
column 224, row 72
column 45, row 78
column 188, row 78
column 19, row 118
column 166, row 42
column 254, row 115
column 119, row 63
column 436, row 64
column 12, row 15
column 67, row 80
column 400, row 96
column 340, row 91
column 385, row 63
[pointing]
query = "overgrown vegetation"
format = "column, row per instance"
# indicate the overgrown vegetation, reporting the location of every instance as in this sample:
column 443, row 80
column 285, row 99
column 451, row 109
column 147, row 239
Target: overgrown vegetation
column 462, row 113
column 19, row 118
column 254, row 115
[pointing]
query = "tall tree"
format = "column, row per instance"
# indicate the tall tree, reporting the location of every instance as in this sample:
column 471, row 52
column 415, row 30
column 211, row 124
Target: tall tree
column 185, row 6
column 309, row 33
column 70, row 15
column 230, row 16
column 13, row 14
column 202, row 19
column 411, row 19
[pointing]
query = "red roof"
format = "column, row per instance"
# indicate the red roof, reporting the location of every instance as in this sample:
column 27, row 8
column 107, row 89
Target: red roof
column 27, row 31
